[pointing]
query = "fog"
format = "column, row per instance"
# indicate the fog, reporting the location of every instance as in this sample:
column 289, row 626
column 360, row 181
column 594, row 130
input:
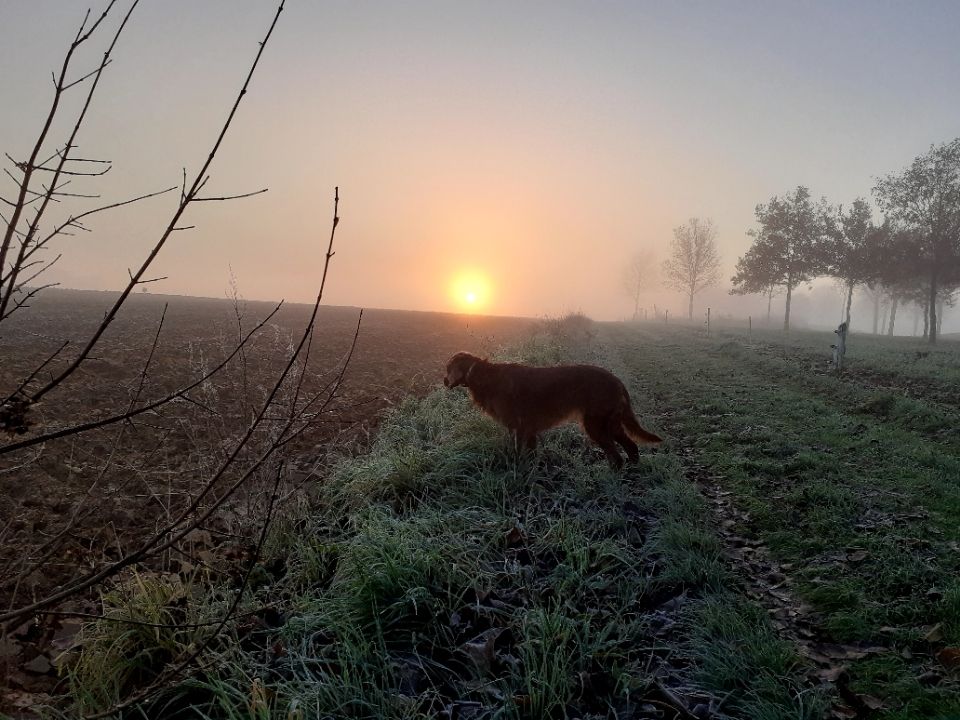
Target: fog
column 535, row 148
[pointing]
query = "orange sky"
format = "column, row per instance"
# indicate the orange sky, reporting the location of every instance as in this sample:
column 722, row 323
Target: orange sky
column 537, row 144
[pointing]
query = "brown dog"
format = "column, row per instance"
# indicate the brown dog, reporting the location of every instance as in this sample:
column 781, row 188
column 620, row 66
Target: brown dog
column 529, row 400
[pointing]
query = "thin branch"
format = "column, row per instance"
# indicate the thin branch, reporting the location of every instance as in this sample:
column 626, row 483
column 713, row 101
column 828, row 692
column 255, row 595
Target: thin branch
column 73, row 221
column 31, row 162
column 144, row 623
column 230, row 197
column 157, row 543
column 88, row 75
column 38, row 369
column 187, row 198
column 168, row 675
column 94, row 424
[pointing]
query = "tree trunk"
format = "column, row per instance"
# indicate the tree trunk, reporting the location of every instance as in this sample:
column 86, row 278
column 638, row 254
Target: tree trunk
column 916, row 322
column 932, row 301
column 849, row 300
column 893, row 314
column 876, row 310
column 940, row 315
column 690, row 307
column 786, row 314
column 769, row 301
column 926, row 318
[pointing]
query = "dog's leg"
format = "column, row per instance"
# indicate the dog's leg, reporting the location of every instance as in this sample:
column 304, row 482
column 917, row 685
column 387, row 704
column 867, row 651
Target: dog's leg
column 633, row 452
column 598, row 431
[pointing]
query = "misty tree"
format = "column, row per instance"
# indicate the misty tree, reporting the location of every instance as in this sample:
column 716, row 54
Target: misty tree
column 925, row 198
column 637, row 276
column 854, row 249
column 694, row 262
column 788, row 247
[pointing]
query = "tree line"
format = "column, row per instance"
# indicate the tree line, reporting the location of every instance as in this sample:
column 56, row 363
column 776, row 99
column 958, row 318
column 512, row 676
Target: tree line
column 911, row 254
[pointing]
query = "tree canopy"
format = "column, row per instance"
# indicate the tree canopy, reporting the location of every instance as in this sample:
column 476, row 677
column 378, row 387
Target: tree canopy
column 925, row 199
column 694, row 262
column 790, row 246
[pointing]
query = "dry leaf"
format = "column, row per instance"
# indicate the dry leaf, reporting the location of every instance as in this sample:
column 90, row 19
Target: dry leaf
column 481, row 649
column 842, row 712
column 949, row 657
column 515, row 537
column 830, row 674
column 934, row 633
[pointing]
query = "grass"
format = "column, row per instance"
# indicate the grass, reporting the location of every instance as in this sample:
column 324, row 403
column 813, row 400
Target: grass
column 853, row 488
column 439, row 572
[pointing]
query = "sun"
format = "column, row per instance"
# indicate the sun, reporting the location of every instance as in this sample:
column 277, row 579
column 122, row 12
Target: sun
column 470, row 291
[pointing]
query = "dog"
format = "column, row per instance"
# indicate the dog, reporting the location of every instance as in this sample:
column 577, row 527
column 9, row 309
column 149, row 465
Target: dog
column 529, row 400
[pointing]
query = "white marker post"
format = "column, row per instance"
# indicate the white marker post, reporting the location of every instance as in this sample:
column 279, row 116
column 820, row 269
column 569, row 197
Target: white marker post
column 840, row 348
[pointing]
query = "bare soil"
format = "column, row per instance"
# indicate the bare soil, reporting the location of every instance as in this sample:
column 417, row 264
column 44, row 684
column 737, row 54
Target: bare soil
column 85, row 500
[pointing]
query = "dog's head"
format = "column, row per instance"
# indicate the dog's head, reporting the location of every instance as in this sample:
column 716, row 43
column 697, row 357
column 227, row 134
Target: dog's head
column 458, row 369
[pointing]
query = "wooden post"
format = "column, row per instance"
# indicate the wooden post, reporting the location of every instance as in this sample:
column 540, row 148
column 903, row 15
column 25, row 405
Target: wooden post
column 840, row 348
column 708, row 322
column 750, row 326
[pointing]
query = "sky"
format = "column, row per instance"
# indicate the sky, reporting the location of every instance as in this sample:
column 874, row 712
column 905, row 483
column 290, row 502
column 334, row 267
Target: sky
column 519, row 151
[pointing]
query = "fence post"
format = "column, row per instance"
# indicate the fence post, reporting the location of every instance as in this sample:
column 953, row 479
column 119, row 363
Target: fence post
column 708, row 322
column 840, row 348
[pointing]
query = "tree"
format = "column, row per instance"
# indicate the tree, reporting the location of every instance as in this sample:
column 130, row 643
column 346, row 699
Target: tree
column 758, row 272
column 854, row 249
column 694, row 263
column 637, row 275
column 788, row 247
column 925, row 198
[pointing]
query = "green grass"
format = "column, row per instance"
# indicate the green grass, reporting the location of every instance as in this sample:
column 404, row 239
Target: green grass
column 439, row 568
column 853, row 487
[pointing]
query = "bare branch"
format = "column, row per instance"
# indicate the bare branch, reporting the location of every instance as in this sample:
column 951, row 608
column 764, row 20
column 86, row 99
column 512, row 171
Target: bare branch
column 38, row 369
column 73, row 221
column 88, row 75
column 185, row 201
column 104, row 422
column 30, row 165
column 230, row 197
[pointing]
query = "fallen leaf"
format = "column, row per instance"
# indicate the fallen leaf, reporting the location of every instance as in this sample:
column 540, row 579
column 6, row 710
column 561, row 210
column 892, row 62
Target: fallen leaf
column 929, row 678
column 481, row 649
column 9, row 648
column 40, row 665
column 934, row 633
column 830, row 674
column 842, row 712
column 515, row 537
column 949, row 657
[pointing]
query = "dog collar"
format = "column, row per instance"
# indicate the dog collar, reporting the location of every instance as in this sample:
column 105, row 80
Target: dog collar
column 466, row 378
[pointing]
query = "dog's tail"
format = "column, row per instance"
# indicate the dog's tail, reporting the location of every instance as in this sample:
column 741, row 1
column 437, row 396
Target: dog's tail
column 635, row 432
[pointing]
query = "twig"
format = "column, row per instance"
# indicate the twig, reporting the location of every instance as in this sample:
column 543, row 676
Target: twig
column 30, row 165
column 186, row 199
column 183, row 665
column 120, row 417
